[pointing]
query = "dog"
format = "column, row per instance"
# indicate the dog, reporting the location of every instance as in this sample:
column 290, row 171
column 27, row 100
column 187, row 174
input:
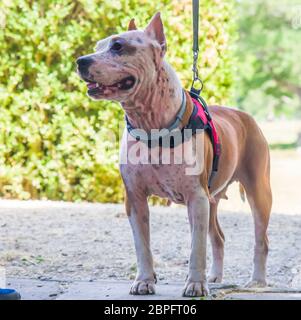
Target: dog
column 130, row 68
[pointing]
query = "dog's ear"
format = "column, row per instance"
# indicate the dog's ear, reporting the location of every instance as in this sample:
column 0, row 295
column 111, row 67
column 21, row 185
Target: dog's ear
column 155, row 30
column 132, row 25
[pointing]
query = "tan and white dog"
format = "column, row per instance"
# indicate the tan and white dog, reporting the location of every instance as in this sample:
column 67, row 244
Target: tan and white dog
column 130, row 68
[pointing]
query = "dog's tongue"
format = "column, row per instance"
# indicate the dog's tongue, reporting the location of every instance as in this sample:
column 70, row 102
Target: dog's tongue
column 92, row 85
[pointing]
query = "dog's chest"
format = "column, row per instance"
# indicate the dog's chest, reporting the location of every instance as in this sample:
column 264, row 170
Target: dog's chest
column 171, row 181
column 167, row 181
column 177, row 179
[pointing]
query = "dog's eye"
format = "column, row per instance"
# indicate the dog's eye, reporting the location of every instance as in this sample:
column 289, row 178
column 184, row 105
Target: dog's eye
column 116, row 46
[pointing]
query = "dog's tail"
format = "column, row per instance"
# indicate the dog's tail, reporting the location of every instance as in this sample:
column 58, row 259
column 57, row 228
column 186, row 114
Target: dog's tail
column 242, row 192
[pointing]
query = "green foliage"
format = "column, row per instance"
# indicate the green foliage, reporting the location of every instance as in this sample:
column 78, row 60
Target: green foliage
column 54, row 141
column 269, row 58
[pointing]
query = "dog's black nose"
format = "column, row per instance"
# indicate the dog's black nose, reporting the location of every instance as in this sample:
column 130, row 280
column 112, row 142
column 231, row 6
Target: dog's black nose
column 84, row 63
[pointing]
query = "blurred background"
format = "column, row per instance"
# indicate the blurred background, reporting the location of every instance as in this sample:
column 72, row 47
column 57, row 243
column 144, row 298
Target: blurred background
column 54, row 140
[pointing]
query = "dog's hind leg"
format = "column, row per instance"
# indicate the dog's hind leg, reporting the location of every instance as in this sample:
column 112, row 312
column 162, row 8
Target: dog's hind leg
column 138, row 215
column 259, row 195
column 217, row 243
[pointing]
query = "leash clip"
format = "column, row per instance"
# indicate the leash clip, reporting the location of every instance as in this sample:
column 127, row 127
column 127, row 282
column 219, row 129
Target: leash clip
column 197, row 89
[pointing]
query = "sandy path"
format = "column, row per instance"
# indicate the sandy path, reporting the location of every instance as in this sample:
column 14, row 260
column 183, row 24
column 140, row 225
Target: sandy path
column 55, row 240
column 64, row 241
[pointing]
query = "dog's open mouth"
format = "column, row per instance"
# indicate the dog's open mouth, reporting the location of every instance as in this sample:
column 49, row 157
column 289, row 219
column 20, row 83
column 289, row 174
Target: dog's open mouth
column 95, row 88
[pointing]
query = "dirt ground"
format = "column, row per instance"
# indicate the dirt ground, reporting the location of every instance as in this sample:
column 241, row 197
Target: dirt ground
column 64, row 241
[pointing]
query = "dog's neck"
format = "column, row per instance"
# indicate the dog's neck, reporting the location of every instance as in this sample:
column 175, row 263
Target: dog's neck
column 156, row 105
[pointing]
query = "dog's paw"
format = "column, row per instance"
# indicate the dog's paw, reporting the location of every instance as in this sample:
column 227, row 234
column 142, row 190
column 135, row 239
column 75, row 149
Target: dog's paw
column 256, row 284
column 215, row 278
column 140, row 287
column 196, row 289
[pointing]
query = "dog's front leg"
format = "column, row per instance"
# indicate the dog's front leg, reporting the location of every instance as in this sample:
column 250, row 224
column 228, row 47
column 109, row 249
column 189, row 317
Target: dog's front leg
column 198, row 213
column 138, row 214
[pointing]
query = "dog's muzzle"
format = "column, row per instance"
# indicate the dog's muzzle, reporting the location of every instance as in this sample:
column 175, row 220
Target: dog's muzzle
column 83, row 64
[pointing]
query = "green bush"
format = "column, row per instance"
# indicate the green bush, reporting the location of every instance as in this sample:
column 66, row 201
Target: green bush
column 53, row 139
column 269, row 49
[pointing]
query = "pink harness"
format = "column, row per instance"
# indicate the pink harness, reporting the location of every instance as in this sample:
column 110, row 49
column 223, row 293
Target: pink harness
column 201, row 118
column 207, row 120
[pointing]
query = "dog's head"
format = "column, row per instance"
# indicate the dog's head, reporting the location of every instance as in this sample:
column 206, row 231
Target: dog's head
column 124, row 64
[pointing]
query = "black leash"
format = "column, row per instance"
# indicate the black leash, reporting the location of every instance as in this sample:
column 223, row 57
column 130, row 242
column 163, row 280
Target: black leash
column 195, row 92
column 195, row 49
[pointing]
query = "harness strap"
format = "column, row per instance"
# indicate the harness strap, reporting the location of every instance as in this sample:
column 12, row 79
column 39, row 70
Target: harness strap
column 209, row 127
